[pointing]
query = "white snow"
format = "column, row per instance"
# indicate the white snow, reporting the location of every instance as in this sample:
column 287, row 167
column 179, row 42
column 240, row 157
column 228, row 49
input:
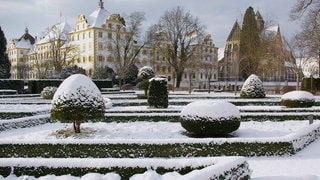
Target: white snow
column 298, row 95
column 214, row 109
column 73, row 88
column 303, row 166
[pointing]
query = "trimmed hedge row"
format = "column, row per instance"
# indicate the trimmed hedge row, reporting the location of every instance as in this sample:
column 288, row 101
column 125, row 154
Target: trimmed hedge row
column 183, row 103
column 17, row 85
column 175, row 117
column 13, row 115
column 24, row 122
column 36, row 86
column 234, row 167
column 139, row 150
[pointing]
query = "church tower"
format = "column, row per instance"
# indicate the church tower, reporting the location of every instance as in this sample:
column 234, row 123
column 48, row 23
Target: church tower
column 260, row 21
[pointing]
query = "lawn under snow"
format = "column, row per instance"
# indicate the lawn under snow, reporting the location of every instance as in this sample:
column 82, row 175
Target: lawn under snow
column 145, row 131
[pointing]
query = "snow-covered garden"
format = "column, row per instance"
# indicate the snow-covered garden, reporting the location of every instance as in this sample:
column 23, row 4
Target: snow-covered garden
column 136, row 141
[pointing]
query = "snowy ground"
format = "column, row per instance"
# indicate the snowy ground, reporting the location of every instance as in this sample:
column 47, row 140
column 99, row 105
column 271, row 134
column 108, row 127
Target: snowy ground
column 303, row 166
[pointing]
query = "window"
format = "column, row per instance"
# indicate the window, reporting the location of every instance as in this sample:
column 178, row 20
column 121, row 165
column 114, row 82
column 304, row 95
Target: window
column 100, row 46
column 100, row 34
column 109, row 47
column 163, row 69
column 109, row 35
column 83, row 35
column 100, row 58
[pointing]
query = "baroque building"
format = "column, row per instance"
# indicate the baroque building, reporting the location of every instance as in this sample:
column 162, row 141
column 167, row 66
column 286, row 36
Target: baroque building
column 90, row 44
column 275, row 62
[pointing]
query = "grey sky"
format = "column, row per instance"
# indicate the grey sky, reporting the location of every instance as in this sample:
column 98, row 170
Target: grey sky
column 217, row 15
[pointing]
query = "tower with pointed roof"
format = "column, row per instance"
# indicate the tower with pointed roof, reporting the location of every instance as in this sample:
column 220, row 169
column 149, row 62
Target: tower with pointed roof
column 17, row 50
column 260, row 21
column 229, row 65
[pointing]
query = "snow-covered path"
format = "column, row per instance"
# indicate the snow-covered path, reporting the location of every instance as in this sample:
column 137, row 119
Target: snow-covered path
column 304, row 165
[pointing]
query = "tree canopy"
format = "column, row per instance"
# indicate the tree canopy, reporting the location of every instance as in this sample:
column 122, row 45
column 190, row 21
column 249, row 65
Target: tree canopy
column 5, row 64
column 250, row 44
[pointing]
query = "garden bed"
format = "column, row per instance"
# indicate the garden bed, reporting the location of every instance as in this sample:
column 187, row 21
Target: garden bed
column 162, row 139
column 207, row 168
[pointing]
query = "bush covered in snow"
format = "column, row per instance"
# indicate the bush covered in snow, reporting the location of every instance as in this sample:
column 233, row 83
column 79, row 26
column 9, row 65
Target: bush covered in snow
column 210, row 118
column 295, row 99
column 252, row 88
column 48, row 92
column 77, row 100
column 158, row 93
column 144, row 74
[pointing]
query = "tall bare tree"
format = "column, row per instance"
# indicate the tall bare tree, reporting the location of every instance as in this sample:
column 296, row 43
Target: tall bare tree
column 174, row 34
column 308, row 11
column 125, row 43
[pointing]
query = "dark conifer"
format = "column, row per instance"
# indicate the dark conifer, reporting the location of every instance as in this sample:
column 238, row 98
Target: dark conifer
column 250, row 43
column 5, row 64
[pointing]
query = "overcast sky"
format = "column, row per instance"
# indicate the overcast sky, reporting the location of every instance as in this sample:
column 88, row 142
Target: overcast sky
column 217, row 15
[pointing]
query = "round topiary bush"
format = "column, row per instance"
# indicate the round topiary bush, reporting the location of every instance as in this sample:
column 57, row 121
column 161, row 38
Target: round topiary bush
column 77, row 100
column 48, row 92
column 210, row 118
column 296, row 99
column 252, row 88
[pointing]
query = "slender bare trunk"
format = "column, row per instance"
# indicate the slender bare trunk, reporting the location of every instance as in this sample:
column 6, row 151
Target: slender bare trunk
column 76, row 126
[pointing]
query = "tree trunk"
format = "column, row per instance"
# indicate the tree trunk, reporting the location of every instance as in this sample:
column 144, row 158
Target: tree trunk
column 76, row 126
column 179, row 79
column 298, row 81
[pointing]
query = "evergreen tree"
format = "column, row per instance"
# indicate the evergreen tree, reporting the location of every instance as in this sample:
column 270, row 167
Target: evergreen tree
column 5, row 64
column 249, row 44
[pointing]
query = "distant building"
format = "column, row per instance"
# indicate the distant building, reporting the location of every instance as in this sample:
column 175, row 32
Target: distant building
column 276, row 63
column 89, row 45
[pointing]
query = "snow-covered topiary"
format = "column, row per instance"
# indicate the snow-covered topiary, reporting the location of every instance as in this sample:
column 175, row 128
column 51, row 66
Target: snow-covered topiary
column 295, row 99
column 48, row 92
column 158, row 92
column 210, row 118
column 144, row 74
column 77, row 100
column 252, row 88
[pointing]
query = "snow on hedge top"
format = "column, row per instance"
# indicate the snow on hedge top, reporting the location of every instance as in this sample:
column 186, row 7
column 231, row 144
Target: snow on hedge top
column 210, row 109
column 77, row 87
column 252, row 88
column 298, row 95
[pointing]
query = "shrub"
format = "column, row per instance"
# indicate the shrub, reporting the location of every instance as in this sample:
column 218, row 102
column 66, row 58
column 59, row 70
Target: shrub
column 77, row 100
column 252, row 88
column 48, row 92
column 296, row 99
column 158, row 93
column 144, row 74
column 210, row 118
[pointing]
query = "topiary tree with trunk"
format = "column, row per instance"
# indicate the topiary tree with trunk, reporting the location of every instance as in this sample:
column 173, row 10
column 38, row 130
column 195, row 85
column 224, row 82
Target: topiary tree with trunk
column 145, row 73
column 77, row 100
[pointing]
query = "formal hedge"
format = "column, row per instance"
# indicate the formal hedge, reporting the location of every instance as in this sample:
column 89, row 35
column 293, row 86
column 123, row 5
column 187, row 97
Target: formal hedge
column 17, row 85
column 36, row 86
column 189, row 168
column 306, row 84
